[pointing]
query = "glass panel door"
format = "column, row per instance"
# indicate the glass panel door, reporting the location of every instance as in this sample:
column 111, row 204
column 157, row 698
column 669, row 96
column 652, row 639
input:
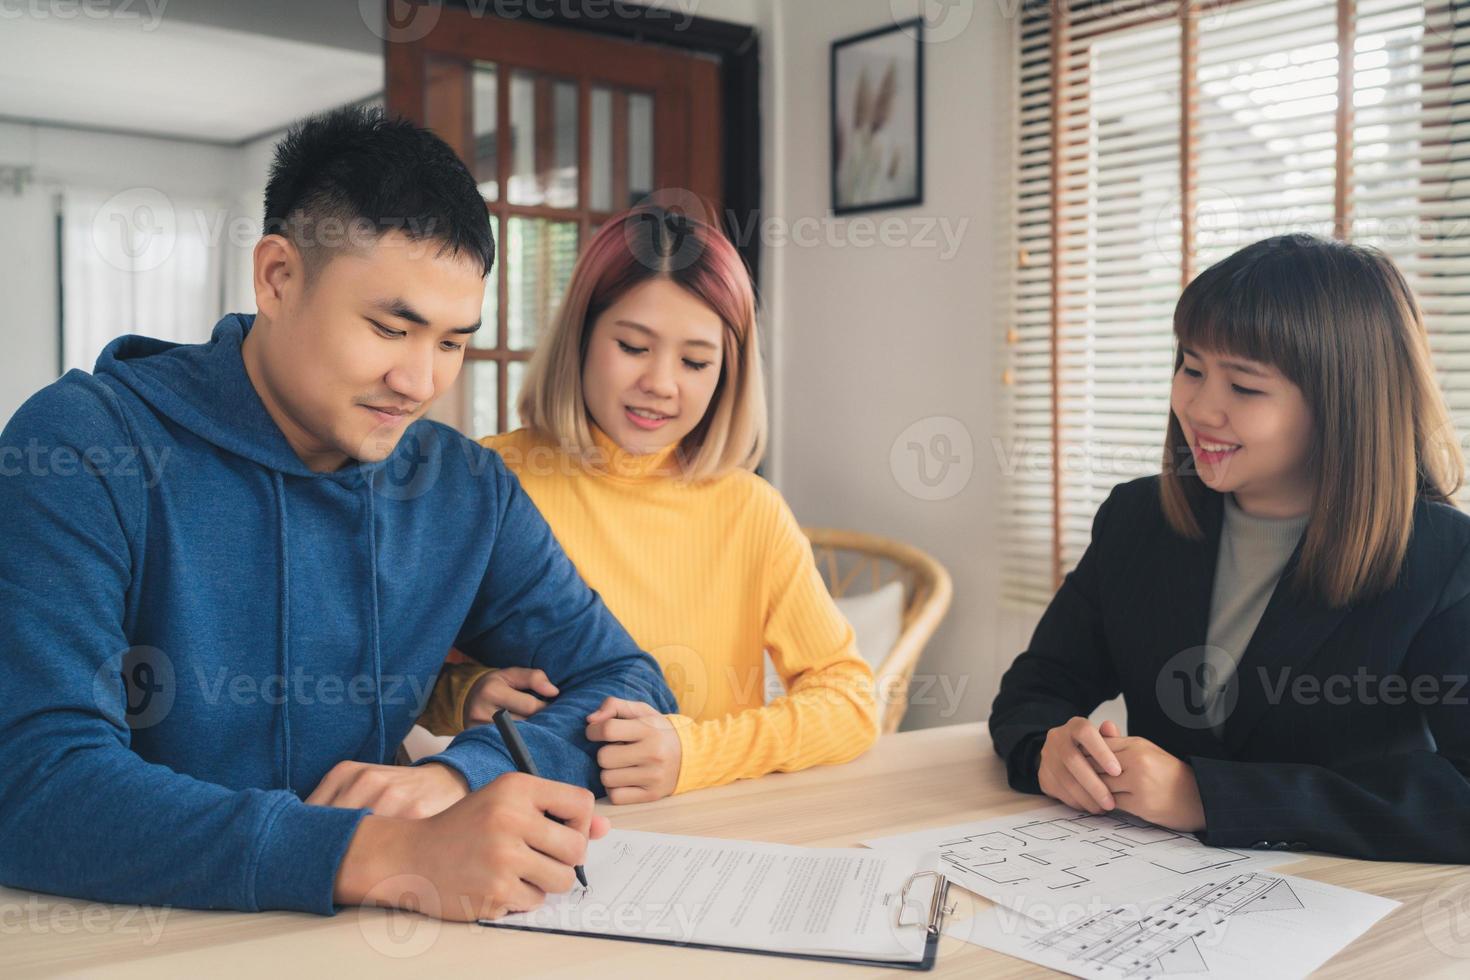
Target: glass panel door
column 561, row 130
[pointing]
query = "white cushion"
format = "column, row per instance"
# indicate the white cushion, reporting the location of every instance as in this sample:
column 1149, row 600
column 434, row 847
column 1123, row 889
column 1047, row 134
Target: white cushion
column 877, row 621
column 420, row 743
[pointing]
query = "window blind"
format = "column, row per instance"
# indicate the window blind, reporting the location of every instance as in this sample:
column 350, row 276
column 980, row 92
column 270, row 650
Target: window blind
column 1153, row 140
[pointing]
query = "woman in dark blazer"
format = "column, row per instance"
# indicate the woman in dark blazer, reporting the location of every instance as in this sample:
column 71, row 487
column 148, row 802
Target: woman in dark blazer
column 1303, row 390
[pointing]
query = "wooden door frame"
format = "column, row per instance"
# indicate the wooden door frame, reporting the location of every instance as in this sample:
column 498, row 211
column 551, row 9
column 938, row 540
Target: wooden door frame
column 735, row 46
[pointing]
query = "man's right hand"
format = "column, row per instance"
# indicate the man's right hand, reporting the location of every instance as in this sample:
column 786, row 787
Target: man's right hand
column 1071, row 757
column 496, row 851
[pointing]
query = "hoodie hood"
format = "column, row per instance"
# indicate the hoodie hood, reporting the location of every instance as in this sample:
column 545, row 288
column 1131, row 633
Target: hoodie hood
column 205, row 389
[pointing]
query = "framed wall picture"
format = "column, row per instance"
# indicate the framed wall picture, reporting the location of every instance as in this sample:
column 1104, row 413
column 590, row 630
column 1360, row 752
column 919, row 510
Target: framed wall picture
column 877, row 91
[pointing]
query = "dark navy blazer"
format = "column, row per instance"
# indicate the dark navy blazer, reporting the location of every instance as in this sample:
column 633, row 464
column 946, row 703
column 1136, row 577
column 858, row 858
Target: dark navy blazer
column 1348, row 730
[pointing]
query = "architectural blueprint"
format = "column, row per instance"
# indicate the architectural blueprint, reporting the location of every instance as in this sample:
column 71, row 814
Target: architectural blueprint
column 1054, row 863
column 1250, row 926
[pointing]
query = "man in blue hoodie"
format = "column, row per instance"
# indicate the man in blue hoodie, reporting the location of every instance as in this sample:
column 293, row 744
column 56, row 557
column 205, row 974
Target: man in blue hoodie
column 231, row 567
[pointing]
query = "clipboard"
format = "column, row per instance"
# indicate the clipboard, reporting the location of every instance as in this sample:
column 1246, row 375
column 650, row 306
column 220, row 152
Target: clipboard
column 932, row 921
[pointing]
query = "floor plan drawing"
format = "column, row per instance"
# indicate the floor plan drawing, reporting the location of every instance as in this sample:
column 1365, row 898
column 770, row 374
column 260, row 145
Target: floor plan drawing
column 1023, row 854
column 1249, row 926
column 1055, row 854
column 1166, row 942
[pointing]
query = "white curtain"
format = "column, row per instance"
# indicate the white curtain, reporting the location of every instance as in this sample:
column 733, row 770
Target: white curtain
column 138, row 261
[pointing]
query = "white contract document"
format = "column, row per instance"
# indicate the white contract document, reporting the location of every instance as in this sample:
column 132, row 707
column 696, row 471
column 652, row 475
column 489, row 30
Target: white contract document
column 848, row 904
column 1251, row 926
column 1054, row 863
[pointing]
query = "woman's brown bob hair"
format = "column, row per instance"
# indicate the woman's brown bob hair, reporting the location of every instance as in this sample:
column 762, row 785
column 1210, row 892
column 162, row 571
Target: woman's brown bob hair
column 630, row 249
column 1340, row 323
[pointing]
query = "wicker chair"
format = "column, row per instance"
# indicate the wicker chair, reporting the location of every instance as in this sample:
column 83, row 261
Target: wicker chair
column 850, row 562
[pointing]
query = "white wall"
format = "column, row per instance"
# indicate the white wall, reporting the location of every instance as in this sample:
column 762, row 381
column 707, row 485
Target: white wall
column 735, row 11
column 872, row 339
column 28, row 282
column 60, row 159
column 863, row 340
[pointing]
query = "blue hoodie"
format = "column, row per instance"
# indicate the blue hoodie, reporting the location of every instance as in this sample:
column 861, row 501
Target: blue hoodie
column 196, row 627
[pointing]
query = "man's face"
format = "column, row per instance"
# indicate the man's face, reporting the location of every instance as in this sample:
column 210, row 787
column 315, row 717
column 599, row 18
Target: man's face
column 351, row 357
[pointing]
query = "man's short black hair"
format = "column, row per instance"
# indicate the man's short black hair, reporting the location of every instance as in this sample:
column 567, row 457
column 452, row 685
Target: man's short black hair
column 349, row 176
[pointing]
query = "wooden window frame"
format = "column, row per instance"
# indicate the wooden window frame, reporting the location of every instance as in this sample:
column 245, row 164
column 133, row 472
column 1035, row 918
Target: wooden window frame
column 1069, row 14
column 733, row 61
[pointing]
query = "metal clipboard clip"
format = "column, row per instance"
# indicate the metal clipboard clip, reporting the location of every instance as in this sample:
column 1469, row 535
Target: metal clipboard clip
column 932, row 918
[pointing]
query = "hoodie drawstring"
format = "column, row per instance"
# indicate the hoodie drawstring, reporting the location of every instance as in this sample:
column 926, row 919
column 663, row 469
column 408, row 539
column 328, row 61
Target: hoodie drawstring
column 285, row 620
column 377, row 650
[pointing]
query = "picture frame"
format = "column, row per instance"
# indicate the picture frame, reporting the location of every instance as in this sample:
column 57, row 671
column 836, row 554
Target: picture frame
column 876, row 119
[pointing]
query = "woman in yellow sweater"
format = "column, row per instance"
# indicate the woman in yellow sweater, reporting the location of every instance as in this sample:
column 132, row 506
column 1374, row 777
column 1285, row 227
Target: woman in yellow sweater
column 645, row 419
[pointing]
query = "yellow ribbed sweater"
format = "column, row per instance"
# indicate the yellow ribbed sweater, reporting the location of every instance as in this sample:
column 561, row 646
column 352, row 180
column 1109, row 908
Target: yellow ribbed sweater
column 705, row 577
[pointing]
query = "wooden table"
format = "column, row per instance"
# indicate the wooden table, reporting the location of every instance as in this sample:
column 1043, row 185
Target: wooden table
column 907, row 782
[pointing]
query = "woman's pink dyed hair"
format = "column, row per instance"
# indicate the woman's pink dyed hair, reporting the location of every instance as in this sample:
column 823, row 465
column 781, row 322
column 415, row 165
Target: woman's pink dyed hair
column 630, row 249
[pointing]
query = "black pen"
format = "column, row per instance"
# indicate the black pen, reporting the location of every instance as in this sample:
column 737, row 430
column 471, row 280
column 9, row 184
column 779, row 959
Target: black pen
column 525, row 763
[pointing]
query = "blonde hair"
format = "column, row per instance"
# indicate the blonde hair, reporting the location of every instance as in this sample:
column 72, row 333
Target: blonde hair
column 1340, row 322
column 632, row 248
